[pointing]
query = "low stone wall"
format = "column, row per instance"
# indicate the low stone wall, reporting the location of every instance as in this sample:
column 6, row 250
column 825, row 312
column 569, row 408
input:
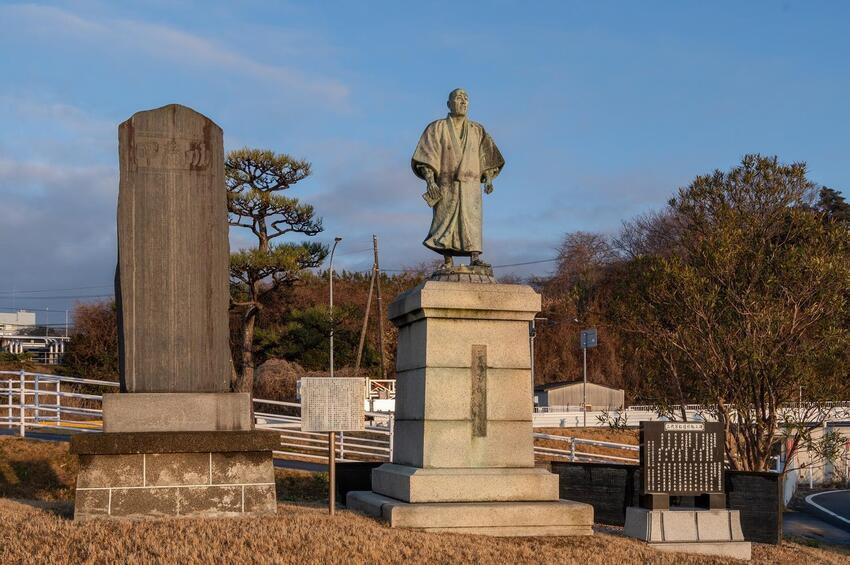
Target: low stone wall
column 611, row 488
column 129, row 478
column 759, row 498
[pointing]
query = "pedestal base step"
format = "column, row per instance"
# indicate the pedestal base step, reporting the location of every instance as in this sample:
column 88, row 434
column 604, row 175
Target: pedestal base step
column 707, row 532
column 733, row 549
column 549, row 518
column 415, row 485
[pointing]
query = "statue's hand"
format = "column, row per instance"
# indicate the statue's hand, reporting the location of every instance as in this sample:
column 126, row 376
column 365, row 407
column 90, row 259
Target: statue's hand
column 433, row 191
column 488, row 183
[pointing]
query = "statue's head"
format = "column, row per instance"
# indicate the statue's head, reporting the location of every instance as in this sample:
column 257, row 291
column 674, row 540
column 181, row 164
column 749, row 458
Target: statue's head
column 458, row 102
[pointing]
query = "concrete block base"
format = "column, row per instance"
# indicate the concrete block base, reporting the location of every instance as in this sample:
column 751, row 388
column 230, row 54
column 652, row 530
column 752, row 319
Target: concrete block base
column 707, row 532
column 415, row 485
column 136, row 476
column 733, row 549
column 549, row 518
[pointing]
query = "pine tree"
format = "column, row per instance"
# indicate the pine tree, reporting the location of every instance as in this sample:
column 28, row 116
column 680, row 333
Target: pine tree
column 255, row 180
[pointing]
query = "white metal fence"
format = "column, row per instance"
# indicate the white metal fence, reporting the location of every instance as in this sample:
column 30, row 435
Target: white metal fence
column 59, row 404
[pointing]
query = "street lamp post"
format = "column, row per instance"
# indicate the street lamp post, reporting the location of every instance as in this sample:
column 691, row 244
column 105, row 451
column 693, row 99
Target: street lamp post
column 331, row 438
column 331, row 281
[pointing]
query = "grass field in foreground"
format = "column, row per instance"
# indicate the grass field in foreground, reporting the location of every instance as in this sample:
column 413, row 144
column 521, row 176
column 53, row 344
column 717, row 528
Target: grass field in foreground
column 35, row 527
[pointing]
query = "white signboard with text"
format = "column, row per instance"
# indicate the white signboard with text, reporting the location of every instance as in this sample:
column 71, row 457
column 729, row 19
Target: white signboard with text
column 332, row 404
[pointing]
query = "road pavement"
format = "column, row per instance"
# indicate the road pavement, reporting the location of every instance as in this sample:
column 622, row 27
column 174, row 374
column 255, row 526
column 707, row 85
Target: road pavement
column 832, row 506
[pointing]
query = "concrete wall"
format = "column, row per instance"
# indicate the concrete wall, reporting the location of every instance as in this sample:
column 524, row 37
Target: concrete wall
column 815, row 471
column 11, row 323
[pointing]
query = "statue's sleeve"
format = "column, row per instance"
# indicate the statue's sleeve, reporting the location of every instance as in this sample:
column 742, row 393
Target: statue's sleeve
column 427, row 151
column 490, row 156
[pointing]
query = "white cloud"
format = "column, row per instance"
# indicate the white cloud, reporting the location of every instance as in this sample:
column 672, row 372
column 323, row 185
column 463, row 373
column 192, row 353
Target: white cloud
column 168, row 44
column 57, row 225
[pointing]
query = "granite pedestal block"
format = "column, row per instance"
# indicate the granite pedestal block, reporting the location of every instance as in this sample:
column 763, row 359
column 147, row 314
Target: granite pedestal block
column 463, row 449
column 169, row 474
column 540, row 518
column 708, row 532
column 177, row 412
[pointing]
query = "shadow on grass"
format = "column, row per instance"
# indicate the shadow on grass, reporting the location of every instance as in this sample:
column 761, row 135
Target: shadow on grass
column 301, row 487
column 32, row 479
column 59, row 508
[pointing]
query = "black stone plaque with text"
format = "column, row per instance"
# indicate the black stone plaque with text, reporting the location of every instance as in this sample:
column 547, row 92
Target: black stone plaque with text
column 681, row 459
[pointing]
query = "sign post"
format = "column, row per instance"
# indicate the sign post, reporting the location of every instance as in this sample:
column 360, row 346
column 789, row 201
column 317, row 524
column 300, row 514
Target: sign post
column 588, row 340
column 331, row 473
column 331, row 404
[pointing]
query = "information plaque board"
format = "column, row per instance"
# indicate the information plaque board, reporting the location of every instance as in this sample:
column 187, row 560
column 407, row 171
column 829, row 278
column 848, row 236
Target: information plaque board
column 681, row 458
column 332, row 404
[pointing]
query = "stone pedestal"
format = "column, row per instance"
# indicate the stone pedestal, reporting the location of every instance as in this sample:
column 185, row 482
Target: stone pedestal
column 707, row 532
column 463, row 455
column 168, row 474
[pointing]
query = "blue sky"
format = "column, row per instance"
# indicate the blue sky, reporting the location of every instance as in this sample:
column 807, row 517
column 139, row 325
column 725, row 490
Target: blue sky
column 601, row 109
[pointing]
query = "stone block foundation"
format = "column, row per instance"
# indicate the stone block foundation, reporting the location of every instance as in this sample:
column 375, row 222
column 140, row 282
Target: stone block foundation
column 144, row 475
column 706, row 532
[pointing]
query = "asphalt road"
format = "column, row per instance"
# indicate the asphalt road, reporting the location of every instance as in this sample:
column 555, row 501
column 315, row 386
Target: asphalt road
column 832, row 506
column 808, row 526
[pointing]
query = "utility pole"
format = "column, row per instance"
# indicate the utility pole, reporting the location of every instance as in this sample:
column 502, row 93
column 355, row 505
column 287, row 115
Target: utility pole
column 365, row 321
column 377, row 274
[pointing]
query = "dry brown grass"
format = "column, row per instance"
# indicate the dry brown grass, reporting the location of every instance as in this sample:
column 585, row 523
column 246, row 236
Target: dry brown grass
column 301, row 534
column 599, row 434
column 42, row 470
column 38, row 532
column 629, row 436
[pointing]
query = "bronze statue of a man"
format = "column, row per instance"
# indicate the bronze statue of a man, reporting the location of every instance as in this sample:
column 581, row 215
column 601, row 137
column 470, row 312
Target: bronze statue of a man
column 455, row 156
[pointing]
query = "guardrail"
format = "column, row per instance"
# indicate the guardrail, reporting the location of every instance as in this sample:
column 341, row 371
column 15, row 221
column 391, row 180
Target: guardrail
column 55, row 403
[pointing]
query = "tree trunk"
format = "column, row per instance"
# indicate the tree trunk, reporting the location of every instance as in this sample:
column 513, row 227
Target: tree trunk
column 245, row 380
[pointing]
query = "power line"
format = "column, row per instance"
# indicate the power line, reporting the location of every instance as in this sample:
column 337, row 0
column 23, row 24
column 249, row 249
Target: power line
column 16, row 292
column 539, row 261
column 39, row 325
column 355, row 252
column 69, row 297
column 527, row 263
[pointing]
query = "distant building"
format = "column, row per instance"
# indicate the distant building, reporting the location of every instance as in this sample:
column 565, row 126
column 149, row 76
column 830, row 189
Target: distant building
column 567, row 394
column 14, row 323
column 14, row 338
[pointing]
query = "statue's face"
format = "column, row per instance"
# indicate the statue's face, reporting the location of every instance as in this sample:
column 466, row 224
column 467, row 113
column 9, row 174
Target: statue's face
column 458, row 102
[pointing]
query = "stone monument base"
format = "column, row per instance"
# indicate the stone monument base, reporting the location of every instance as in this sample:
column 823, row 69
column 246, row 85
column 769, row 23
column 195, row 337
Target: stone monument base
column 489, row 484
column 168, row 474
column 540, row 518
column 707, row 532
column 464, row 274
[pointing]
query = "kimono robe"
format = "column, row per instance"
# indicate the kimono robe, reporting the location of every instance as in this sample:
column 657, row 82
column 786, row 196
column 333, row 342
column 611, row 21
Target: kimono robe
column 459, row 160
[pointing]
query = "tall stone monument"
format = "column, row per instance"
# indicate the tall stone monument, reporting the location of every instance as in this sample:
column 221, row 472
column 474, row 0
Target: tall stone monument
column 463, row 458
column 175, row 441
